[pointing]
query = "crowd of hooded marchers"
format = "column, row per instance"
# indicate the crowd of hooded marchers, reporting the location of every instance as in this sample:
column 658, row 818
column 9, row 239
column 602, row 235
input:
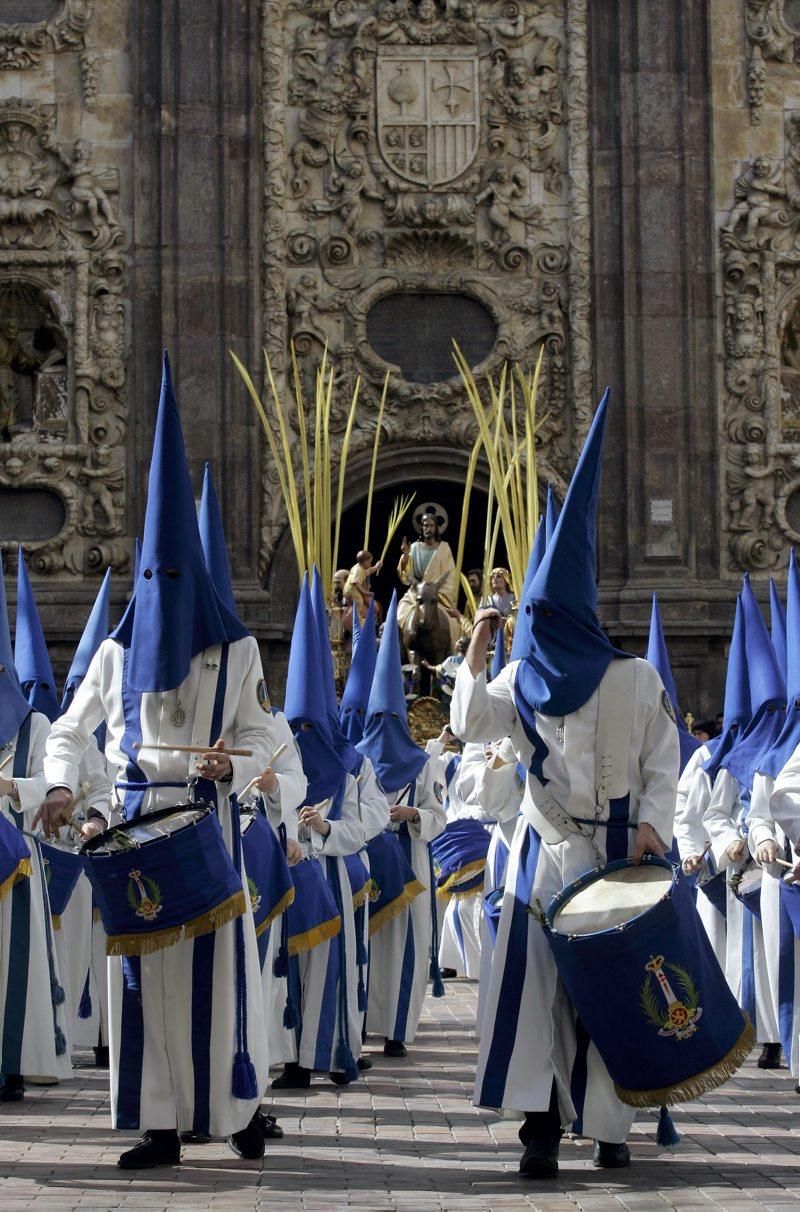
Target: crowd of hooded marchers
column 225, row 900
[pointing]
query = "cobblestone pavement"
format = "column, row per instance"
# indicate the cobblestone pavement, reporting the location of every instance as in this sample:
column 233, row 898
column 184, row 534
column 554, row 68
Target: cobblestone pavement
column 407, row 1137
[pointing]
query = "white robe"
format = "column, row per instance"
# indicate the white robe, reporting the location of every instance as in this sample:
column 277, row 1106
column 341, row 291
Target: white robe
column 694, row 795
column 529, row 1039
column 173, row 1033
column 400, row 951
column 782, row 811
column 28, row 1018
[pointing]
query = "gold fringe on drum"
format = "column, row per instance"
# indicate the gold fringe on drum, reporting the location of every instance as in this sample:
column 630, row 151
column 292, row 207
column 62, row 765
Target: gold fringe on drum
column 450, row 887
column 23, row 870
column 159, row 940
column 283, row 904
column 312, row 938
column 361, row 898
column 701, row 1083
column 411, row 891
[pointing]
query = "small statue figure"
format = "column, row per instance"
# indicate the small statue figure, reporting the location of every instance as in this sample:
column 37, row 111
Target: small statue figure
column 755, row 508
column 86, row 192
column 100, row 482
column 13, row 358
column 754, row 191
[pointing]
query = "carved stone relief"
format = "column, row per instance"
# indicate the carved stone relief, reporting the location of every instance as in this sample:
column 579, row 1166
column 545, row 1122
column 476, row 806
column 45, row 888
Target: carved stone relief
column 760, row 244
column 24, row 45
column 62, row 335
column 773, row 34
column 423, row 145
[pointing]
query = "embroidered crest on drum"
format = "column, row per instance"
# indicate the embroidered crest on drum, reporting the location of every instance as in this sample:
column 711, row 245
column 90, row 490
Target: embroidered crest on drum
column 255, row 895
column 677, row 1017
column 149, row 904
column 263, row 696
column 670, row 710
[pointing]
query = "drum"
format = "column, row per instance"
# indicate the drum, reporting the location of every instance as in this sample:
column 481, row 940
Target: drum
column 312, row 918
column 15, row 857
column 459, row 856
column 644, row 980
column 269, row 876
column 746, row 887
column 713, row 885
column 62, row 870
column 394, row 884
column 360, row 879
column 161, row 878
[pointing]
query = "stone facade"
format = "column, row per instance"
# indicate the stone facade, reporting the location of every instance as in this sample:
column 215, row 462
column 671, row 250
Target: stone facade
column 617, row 181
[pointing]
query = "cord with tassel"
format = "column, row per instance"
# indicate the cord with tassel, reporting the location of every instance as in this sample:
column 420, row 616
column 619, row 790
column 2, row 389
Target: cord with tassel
column 244, row 1084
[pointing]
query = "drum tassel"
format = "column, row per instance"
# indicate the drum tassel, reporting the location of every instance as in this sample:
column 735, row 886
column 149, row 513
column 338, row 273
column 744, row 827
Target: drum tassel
column 667, row 1136
column 702, row 1083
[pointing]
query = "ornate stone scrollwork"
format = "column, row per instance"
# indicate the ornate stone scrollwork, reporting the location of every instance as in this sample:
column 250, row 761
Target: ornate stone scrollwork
column 760, row 243
column 62, row 337
column 423, row 146
column 25, row 44
column 770, row 36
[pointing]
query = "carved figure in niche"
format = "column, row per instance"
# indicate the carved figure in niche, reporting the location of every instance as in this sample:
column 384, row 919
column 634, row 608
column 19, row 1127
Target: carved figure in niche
column 754, row 192
column 503, row 192
column 21, row 170
column 107, row 320
column 349, row 195
column 100, row 482
column 329, row 91
column 14, row 360
column 526, row 102
column 302, row 302
column 87, row 195
column 744, row 315
column 754, row 506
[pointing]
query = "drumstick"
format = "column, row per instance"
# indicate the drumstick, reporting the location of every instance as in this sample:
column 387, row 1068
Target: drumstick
column 195, row 749
column 6, row 760
column 281, row 749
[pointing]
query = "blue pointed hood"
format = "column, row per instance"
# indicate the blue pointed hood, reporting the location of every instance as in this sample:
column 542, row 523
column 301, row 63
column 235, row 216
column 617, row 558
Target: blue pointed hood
column 341, row 743
column 777, row 626
column 767, row 696
column 175, row 611
column 520, row 642
column 137, row 560
column 387, row 741
column 736, row 708
column 31, row 658
column 567, row 653
column 355, row 635
column 212, row 536
column 306, row 709
column 774, row 760
column 658, row 657
column 14, row 707
column 551, row 514
column 95, row 631
column 353, row 712
column 499, row 655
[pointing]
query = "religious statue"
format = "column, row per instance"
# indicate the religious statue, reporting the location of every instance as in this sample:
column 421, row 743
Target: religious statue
column 13, row 360
column 754, row 192
column 100, row 482
column 87, row 195
column 754, row 508
column 428, row 568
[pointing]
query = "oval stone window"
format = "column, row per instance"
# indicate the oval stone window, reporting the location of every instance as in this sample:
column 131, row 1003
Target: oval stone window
column 28, row 12
column 416, row 330
column 30, row 515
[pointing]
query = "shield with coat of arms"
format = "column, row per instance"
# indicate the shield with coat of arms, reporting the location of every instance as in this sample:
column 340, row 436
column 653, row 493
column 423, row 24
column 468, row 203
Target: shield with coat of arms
column 427, row 109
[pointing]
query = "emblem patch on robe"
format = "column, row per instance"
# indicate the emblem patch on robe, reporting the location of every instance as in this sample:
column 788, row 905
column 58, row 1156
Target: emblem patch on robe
column 675, row 1016
column 262, row 695
column 670, row 710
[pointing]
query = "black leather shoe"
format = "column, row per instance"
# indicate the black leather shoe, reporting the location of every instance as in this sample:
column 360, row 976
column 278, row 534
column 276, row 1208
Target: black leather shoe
column 101, row 1056
column 249, row 1143
column 340, row 1079
column 394, row 1047
column 195, row 1138
column 540, row 1159
column 156, row 1148
column 770, row 1057
column 13, row 1089
column 448, row 974
column 270, row 1128
column 294, row 1077
column 364, row 1063
column 608, row 1156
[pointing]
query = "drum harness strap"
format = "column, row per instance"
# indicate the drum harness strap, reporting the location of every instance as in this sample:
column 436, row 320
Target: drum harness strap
column 616, row 700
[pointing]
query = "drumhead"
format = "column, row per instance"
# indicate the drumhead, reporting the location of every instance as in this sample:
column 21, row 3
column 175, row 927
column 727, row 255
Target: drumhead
column 143, row 830
column 612, row 899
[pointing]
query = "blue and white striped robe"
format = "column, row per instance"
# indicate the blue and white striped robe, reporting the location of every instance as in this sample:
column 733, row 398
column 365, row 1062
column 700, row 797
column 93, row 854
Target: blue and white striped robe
column 28, row 962
column 173, row 1013
column 530, row 1036
column 694, row 796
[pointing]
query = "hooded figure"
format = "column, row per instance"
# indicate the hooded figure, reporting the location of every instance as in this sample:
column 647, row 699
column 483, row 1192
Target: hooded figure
column 180, row 670
column 551, row 514
column 558, row 705
column 352, row 714
column 30, row 651
column 212, row 537
column 521, row 639
column 736, row 707
column 95, row 631
column 175, row 611
column 777, row 628
column 658, row 657
column 14, row 707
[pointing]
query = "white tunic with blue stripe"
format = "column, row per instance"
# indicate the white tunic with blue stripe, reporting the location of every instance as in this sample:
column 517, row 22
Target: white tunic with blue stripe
column 173, row 1022
column 691, row 836
column 530, row 1037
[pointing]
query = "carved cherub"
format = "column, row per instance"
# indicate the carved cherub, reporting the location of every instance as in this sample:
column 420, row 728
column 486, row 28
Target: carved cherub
column 754, row 191
column 503, row 191
column 753, row 480
column 100, row 483
column 86, row 192
column 348, row 193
